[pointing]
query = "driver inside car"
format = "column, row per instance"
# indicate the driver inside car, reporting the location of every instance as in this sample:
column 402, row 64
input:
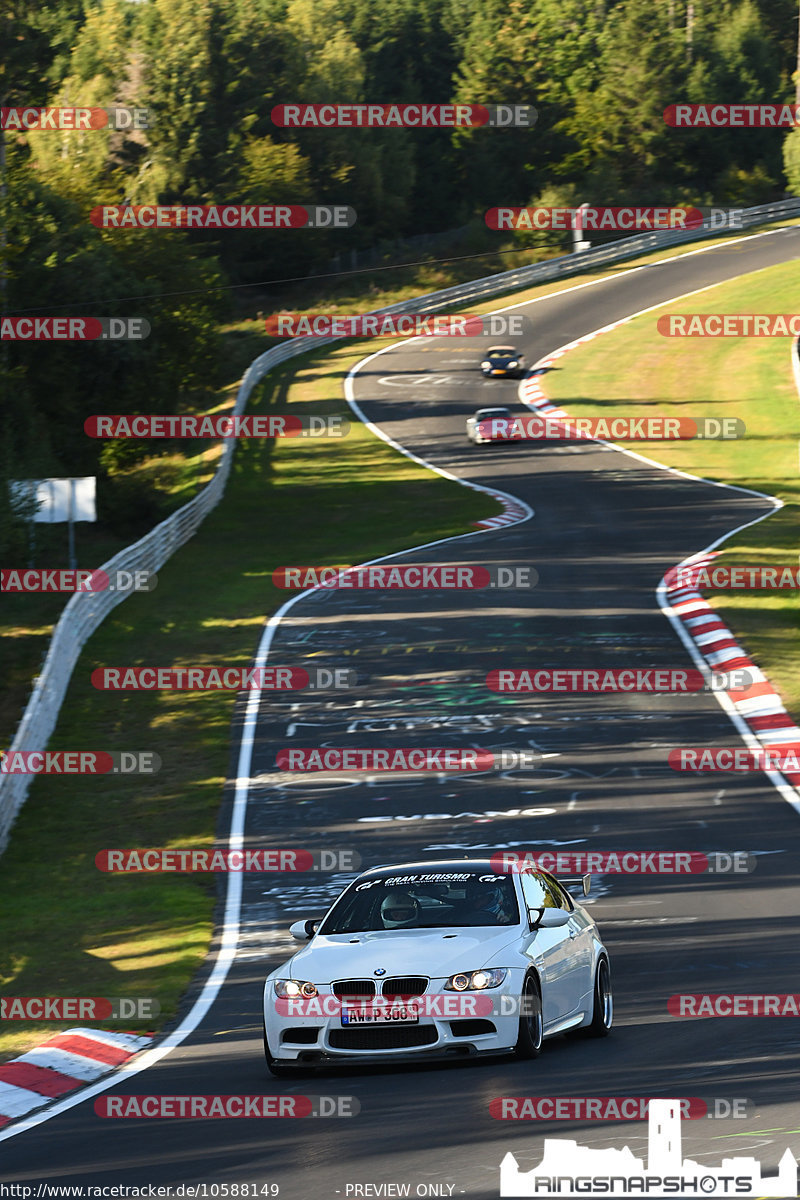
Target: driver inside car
column 400, row 911
column 484, row 904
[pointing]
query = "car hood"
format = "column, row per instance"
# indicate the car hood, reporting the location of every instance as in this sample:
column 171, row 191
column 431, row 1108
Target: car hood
column 401, row 952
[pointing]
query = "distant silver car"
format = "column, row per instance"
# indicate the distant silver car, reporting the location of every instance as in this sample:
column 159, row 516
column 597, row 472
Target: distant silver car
column 503, row 360
column 493, row 425
column 432, row 959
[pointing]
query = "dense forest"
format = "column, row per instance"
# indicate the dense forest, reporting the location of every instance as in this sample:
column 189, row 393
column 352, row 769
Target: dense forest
column 209, row 72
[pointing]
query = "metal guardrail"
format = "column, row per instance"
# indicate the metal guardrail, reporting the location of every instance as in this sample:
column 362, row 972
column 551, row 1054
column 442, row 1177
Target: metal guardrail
column 86, row 611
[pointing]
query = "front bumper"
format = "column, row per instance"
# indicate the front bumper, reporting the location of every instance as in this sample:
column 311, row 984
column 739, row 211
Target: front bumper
column 304, row 1040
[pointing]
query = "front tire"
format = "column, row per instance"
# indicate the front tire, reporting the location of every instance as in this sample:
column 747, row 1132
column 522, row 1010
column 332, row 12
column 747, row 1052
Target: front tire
column 531, row 1023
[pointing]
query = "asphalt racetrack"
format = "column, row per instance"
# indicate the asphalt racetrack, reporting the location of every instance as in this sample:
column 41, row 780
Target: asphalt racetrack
column 605, row 529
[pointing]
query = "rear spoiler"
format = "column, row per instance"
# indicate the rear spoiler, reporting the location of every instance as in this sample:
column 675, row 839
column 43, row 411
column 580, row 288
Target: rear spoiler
column 584, row 880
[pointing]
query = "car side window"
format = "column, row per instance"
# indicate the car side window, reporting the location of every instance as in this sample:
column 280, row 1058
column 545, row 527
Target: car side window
column 564, row 898
column 542, row 892
column 560, row 894
column 534, row 892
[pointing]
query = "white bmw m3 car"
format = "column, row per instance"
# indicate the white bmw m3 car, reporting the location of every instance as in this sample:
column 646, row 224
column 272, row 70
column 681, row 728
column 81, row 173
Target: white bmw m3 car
column 434, row 959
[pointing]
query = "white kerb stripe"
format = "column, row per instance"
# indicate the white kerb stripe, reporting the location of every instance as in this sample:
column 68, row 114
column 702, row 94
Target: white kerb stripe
column 16, row 1101
column 66, row 1062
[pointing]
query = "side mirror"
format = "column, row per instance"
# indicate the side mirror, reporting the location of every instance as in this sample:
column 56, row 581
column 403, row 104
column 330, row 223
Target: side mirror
column 303, row 931
column 549, row 918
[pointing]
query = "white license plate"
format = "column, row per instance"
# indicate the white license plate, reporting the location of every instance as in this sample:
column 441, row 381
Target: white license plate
column 394, row 1014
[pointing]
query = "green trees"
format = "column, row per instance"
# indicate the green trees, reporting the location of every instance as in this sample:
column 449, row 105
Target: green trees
column 600, row 73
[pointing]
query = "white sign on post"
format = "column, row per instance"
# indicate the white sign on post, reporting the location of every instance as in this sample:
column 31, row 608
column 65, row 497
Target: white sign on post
column 68, row 500
column 59, row 499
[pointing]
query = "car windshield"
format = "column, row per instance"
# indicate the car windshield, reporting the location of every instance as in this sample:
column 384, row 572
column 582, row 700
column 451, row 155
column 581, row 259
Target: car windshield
column 424, row 901
column 494, row 414
column 502, row 352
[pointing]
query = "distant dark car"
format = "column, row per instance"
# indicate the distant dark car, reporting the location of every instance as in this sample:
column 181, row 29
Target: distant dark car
column 504, row 361
column 492, row 425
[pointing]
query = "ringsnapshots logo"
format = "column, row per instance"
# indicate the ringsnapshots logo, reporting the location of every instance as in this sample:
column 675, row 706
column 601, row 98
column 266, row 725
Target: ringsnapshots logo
column 74, row 329
column 223, row 216
column 188, row 860
column 732, row 116
column 407, row 577
column 569, row 1171
column 78, row 1008
column 204, row 1108
column 621, row 679
column 57, row 579
column 379, row 325
column 222, row 678
column 79, row 762
column 404, row 116
column 217, row 425
column 26, row 119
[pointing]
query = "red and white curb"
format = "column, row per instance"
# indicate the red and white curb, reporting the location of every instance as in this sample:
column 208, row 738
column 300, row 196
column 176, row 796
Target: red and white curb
column 514, row 511
column 757, row 710
column 66, row 1062
column 758, row 706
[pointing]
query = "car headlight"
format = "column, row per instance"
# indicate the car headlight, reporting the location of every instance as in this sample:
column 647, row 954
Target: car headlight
column 486, row 363
column 476, row 981
column 512, row 364
column 293, row 989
